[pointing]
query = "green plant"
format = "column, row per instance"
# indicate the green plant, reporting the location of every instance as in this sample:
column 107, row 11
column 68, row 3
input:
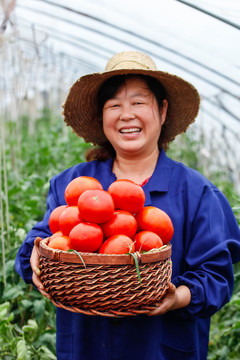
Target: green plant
column 34, row 152
column 23, row 343
column 225, row 327
column 28, row 326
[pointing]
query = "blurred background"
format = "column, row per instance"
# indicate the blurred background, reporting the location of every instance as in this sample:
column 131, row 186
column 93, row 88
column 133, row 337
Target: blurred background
column 45, row 46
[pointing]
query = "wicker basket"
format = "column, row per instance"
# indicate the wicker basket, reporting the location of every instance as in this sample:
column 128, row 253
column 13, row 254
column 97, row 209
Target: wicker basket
column 107, row 285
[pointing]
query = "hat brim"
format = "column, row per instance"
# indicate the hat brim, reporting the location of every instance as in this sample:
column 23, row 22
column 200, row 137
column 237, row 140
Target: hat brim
column 81, row 113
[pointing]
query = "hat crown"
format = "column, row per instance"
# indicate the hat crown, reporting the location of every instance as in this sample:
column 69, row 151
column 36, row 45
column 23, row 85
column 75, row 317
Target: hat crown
column 130, row 60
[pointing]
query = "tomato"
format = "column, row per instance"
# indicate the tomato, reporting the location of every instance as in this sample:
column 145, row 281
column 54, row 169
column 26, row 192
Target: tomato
column 77, row 186
column 54, row 218
column 60, row 243
column 122, row 222
column 96, row 206
column 86, row 237
column 147, row 240
column 56, row 234
column 154, row 219
column 69, row 218
column 127, row 195
column 117, row 244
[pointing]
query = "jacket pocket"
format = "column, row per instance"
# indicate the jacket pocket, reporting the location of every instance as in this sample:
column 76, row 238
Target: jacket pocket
column 178, row 338
column 169, row 353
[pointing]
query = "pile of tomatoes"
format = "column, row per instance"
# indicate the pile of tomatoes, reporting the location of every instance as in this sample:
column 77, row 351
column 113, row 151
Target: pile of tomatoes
column 107, row 222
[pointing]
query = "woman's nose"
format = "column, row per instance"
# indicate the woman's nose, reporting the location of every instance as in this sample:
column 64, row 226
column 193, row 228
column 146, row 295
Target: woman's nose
column 127, row 113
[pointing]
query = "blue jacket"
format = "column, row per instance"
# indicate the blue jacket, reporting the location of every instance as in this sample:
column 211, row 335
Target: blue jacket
column 206, row 242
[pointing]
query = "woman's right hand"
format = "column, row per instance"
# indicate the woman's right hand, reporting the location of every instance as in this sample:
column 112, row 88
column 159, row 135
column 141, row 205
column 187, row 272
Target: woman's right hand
column 34, row 262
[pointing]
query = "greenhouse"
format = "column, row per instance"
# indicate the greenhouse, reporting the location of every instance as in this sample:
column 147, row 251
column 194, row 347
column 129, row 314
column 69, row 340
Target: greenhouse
column 45, row 46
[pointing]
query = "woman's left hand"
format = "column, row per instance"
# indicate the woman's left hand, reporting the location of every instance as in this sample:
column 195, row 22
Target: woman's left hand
column 34, row 262
column 175, row 298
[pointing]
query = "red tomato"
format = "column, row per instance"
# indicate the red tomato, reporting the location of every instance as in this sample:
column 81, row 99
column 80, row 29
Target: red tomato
column 60, row 243
column 69, row 218
column 117, row 244
column 86, row 237
column 96, row 206
column 56, row 234
column 122, row 222
column 77, row 186
column 147, row 240
column 153, row 219
column 54, row 218
column 127, row 195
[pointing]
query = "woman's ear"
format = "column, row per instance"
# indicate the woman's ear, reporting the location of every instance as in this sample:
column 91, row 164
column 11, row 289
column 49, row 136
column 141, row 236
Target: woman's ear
column 163, row 111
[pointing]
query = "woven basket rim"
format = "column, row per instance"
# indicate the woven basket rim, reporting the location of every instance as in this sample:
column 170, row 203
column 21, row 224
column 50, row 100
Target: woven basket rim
column 103, row 259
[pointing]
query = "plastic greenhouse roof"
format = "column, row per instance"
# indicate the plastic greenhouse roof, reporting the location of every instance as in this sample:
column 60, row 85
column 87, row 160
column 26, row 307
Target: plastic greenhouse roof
column 198, row 40
column 55, row 42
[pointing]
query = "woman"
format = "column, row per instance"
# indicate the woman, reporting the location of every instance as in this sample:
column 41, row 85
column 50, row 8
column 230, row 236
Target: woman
column 131, row 112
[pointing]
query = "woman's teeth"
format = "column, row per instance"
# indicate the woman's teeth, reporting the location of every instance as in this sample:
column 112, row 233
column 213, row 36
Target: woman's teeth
column 130, row 131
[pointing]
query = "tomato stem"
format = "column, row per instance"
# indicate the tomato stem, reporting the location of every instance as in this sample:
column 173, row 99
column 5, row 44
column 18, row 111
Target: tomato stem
column 154, row 249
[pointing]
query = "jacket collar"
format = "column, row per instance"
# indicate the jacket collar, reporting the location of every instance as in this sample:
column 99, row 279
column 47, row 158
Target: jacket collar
column 160, row 178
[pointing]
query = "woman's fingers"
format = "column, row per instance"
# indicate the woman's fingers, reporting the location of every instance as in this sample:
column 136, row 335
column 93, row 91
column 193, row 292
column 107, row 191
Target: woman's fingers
column 34, row 261
column 37, row 282
column 37, row 271
column 172, row 288
column 175, row 298
column 37, row 241
column 167, row 303
column 40, row 286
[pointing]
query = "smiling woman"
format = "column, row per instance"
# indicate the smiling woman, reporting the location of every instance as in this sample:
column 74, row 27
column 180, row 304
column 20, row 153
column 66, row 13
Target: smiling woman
column 134, row 109
column 131, row 96
column 131, row 119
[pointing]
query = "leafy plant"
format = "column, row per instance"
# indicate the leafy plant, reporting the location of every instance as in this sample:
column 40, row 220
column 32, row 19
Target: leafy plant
column 28, row 321
column 36, row 151
column 225, row 327
column 23, row 343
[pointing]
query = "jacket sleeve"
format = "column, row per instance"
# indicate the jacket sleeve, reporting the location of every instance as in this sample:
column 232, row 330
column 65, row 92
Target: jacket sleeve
column 41, row 229
column 211, row 248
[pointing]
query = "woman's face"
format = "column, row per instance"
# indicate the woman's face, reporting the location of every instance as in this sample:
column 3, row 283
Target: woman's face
column 132, row 121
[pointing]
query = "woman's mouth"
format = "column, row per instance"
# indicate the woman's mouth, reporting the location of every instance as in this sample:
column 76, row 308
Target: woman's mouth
column 133, row 130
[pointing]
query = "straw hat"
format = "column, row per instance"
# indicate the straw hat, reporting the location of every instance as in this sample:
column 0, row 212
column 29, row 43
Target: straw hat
column 80, row 109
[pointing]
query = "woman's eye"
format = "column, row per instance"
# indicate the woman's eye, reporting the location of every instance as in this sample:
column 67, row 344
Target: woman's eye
column 111, row 105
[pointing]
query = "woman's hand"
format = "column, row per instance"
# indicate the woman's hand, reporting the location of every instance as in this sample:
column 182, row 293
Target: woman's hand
column 175, row 298
column 34, row 262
